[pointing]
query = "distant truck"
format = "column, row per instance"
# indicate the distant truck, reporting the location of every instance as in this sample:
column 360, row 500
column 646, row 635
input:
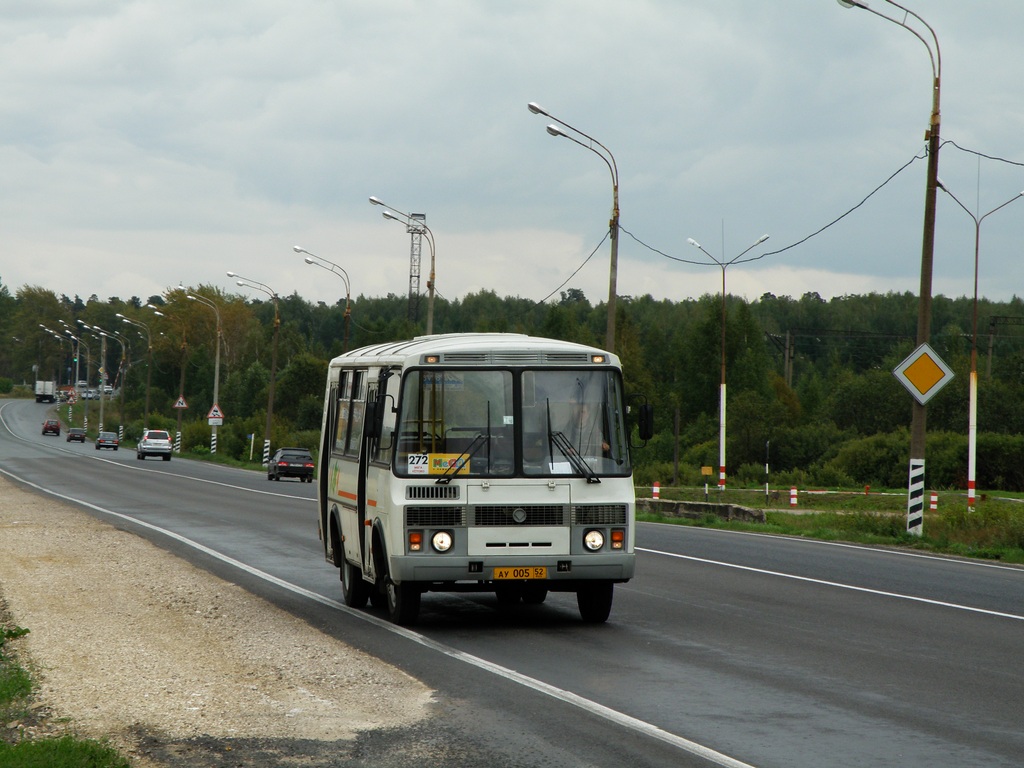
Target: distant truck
column 46, row 391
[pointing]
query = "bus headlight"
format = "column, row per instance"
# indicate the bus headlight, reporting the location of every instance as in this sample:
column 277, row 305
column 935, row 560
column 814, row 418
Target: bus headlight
column 593, row 540
column 441, row 541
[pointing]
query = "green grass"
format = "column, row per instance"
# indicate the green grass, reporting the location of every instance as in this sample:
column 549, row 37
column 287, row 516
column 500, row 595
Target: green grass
column 63, row 752
column 16, row 689
column 994, row 530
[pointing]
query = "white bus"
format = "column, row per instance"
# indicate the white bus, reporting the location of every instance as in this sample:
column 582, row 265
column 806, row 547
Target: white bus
column 477, row 462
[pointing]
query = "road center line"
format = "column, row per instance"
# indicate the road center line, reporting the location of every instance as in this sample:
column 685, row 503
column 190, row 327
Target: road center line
column 836, row 584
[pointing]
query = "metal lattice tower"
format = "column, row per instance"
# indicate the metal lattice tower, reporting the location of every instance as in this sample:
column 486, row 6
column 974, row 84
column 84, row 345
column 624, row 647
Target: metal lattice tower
column 415, row 227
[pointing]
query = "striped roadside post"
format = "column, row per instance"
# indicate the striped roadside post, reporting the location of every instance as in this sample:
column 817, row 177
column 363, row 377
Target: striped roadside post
column 266, row 453
column 915, row 498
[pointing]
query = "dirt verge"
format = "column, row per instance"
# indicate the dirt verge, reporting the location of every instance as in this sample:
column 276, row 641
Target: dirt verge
column 173, row 665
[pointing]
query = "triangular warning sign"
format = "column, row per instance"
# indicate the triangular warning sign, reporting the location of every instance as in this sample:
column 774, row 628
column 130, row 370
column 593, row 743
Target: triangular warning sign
column 181, row 402
column 215, row 412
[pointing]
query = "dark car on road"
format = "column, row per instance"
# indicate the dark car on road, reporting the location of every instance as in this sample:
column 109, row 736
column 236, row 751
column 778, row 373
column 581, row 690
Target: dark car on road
column 291, row 462
column 51, row 427
column 76, row 435
column 106, row 440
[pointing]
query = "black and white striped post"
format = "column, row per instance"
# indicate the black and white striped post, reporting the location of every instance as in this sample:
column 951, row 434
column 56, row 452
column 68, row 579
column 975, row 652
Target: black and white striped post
column 915, row 498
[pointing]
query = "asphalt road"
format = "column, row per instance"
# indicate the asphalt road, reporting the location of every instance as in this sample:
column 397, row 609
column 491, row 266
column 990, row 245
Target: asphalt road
column 727, row 649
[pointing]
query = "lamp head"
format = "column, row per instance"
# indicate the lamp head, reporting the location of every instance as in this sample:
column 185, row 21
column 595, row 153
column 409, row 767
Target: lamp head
column 693, row 242
column 761, row 239
column 554, row 130
column 299, row 249
column 536, row 109
column 390, row 215
column 308, row 260
column 376, row 200
column 232, row 274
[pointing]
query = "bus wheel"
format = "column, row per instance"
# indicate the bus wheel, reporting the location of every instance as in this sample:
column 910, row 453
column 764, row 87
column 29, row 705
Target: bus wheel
column 534, row 594
column 507, row 594
column 379, row 594
column 595, row 601
column 403, row 602
column 354, row 590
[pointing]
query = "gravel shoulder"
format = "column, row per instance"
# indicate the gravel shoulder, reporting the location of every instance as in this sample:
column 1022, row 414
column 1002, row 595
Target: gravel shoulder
column 173, row 665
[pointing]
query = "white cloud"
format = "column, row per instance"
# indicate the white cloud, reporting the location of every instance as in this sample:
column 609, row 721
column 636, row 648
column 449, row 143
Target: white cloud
column 145, row 143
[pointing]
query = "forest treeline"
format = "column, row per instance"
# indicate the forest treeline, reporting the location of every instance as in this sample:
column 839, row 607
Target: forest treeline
column 810, row 386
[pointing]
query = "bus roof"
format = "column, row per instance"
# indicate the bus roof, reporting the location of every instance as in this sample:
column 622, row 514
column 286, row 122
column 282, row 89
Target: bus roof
column 475, row 348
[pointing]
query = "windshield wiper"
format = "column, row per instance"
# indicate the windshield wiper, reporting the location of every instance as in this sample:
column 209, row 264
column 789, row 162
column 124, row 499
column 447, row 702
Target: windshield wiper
column 577, row 461
column 467, row 455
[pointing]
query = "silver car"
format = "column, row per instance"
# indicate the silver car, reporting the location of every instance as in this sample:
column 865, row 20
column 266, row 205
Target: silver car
column 154, row 442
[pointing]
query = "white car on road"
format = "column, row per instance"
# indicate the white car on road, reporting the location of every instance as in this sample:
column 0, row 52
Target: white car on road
column 154, row 442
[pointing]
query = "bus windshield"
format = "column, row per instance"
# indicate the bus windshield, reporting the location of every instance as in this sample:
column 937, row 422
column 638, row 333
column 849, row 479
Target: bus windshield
column 506, row 423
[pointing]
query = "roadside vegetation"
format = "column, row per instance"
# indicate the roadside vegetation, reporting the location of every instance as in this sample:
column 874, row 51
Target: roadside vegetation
column 994, row 530
column 810, row 383
column 17, row 714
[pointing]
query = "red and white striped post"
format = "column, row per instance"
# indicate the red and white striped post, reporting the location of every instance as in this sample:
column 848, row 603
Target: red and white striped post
column 656, row 490
column 934, row 505
column 792, row 496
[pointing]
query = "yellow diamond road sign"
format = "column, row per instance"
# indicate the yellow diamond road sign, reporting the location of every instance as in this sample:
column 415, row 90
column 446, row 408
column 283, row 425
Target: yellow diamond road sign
column 923, row 373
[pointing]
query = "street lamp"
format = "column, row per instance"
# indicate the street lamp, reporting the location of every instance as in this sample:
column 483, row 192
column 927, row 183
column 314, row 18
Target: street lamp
column 179, row 406
column 416, row 225
column 915, row 487
column 609, row 159
column 216, row 363
column 721, row 391
column 97, row 331
column 149, row 361
column 122, row 372
column 972, row 420
column 244, row 282
column 330, row 266
column 59, row 337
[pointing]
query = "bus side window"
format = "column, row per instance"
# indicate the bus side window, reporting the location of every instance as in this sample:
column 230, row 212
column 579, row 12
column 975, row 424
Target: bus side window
column 357, row 413
column 344, row 402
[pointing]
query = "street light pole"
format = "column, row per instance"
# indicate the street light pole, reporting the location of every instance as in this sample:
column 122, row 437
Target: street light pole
column 330, row 266
column 149, row 361
column 413, row 224
column 244, row 282
column 972, row 419
column 915, row 487
column 721, row 390
column 216, row 363
column 609, row 159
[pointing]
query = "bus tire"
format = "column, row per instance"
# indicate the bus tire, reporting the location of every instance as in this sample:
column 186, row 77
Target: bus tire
column 534, row 594
column 507, row 594
column 403, row 602
column 595, row 601
column 354, row 590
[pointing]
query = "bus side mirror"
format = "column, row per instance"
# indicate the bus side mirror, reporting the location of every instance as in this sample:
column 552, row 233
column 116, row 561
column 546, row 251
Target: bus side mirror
column 645, row 421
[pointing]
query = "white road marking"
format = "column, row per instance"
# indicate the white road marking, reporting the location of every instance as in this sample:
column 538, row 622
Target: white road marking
column 835, row 584
column 619, row 718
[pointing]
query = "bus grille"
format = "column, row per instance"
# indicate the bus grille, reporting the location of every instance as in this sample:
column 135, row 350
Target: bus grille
column 433, row 517
column 539, row 514
column 416, row 492
column 599, row 514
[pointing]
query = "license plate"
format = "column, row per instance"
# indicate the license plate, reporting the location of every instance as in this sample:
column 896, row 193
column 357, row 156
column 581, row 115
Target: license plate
column 530, row 572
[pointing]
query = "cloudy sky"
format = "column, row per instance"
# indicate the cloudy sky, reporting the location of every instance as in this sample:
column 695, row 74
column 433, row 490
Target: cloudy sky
column 149, row 143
